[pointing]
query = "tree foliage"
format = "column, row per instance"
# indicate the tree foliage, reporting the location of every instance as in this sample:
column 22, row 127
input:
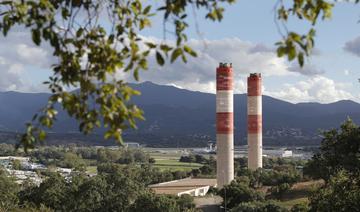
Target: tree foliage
column 338, row 163
column 16, row 164
column 151, row 203
column 340, row 150
column 266, row 206
column 276, row 171
column 89, row 53
column 295, row 45
column 342, row 193
column 8, row 191
column 92, row 40
column 237, row 192
column 116, row 189
column 300, row 207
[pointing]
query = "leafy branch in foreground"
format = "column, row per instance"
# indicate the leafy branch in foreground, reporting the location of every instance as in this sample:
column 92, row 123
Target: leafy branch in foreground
column 91, row 41
column 295, row 45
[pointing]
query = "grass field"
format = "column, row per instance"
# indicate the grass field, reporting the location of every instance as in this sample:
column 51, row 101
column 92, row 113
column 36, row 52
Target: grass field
column 290, row 203
column 175, row 165
column 165, row 159
column 168, row 159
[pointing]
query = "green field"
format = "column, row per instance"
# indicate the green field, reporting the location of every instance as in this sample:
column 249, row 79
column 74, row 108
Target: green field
column 174, row 164
column 290, row 203
column 165, row 159
column 168, row 159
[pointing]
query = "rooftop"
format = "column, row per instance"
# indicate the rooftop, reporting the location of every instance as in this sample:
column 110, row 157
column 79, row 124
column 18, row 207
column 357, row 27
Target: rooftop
column 179, row 186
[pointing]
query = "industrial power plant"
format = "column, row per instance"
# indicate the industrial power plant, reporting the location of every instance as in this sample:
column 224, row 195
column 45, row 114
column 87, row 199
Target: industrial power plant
column 225, row 136
column 225, row 123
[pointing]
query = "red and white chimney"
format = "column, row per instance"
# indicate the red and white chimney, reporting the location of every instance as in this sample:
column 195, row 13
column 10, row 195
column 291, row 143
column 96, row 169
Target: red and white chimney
column 224, row 124
column 254, row 109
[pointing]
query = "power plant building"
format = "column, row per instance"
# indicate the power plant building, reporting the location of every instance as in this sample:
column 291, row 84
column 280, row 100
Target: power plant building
column 224, row 124
column 254, row 110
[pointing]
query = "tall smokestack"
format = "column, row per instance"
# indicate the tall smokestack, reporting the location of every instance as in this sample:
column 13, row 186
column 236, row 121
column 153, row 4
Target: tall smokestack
column 224, row 124
column 254, row 106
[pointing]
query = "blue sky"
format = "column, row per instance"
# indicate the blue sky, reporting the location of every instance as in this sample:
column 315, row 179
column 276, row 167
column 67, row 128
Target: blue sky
column 246, row 37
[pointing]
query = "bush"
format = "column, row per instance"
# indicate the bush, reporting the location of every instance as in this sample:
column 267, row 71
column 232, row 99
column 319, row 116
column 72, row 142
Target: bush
column 237, row 192
column 152, row 160
column 8, row 191
column 301, row 207
column 267, row 206
column 16, row 164
column 279, row 190
column 155, row 203
column 187, row 159
column 342, row 193
column 185, row 202
column 339, row 150
column 207, row 170
column 277, row 177
column 200, row 159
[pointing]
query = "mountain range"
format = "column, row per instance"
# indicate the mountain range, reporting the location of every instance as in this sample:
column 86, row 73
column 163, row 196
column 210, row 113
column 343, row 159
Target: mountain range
column 179, row 117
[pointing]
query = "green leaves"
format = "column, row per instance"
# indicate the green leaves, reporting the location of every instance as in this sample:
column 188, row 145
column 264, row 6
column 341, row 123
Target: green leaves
column 216, row 14
column 293, row 44
column 79, row 32
column 90, row 55
column 296, row 46
column 189, row 50
column 147, row 10
column 42, row 135
column 144, row 23
column 159, row 58
column 301, row 59
column 175, row 54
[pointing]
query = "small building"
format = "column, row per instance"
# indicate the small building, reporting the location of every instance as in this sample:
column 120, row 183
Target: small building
column 64, row 171
column 192, row 186
column 21, row 176
column 7, row 161
column 12, row 158
column 33, row 166
column 287, row 153
column 131, row 145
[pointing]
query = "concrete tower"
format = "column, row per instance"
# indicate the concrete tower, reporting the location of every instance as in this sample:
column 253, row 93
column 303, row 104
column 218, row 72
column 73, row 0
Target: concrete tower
column 254, row 109
column 224, row 124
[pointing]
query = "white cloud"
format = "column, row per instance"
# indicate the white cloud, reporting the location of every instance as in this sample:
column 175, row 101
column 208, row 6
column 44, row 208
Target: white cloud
column 10, row 76
column 346, row 72
column 315, row 89
column 19, row 58
column 199, row 73
column 307, row 69
column 33, row 55
column 18, row 53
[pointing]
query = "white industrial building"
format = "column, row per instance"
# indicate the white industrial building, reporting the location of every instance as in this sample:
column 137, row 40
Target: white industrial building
column 192, row 186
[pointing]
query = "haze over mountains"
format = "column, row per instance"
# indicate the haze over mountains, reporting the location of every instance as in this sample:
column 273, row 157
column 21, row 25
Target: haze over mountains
column 178, row 117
